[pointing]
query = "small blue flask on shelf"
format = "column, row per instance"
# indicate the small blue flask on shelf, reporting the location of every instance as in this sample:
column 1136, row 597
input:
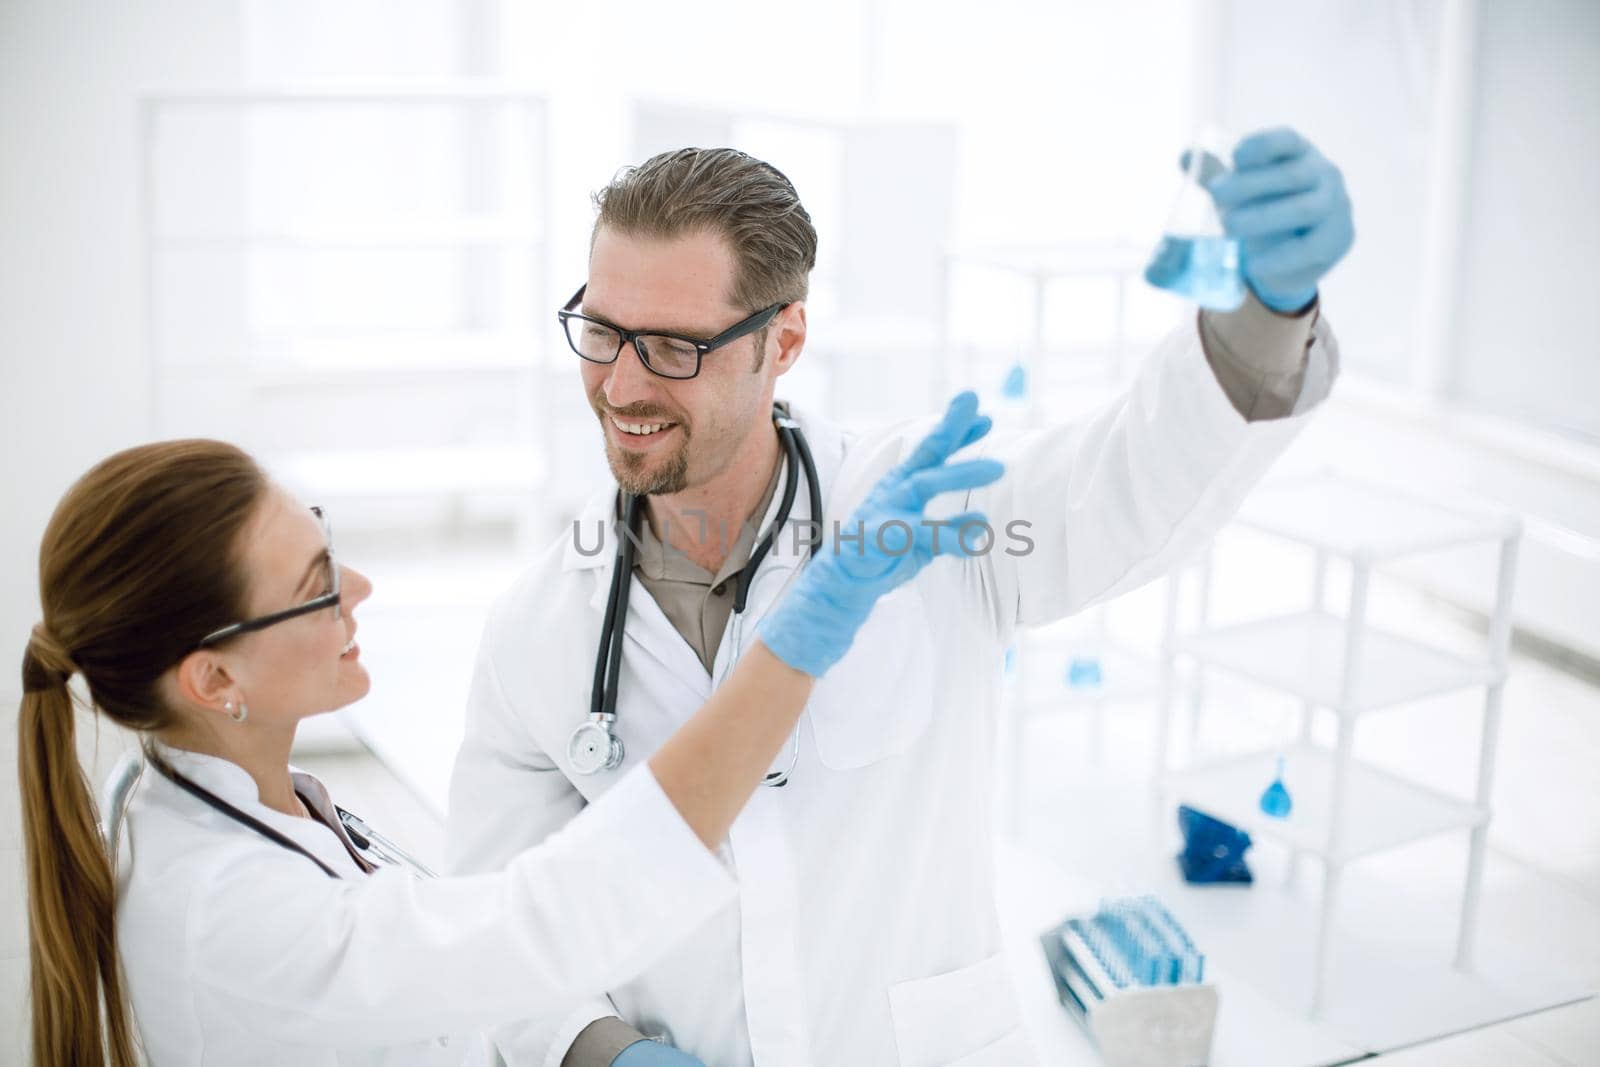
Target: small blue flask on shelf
column 1083, row 672
column 1015, row 386
column 1275, row 799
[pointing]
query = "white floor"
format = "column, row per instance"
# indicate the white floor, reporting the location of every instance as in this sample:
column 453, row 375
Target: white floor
column 1566, row 1036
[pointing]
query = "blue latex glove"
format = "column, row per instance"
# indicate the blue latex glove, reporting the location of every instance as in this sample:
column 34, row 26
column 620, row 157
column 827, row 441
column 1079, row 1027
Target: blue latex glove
column 654, row 1054
column 1286, row 206
column 819, row 616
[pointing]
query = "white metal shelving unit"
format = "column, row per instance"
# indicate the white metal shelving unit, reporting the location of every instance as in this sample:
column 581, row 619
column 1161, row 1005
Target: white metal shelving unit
column 1038, row 682
column 1345, row 809
column 1041, row 265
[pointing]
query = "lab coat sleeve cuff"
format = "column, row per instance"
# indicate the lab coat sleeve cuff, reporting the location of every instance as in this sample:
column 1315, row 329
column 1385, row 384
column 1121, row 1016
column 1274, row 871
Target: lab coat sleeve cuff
column 550, row 1041
column 1266, row 362
column 600, row 1042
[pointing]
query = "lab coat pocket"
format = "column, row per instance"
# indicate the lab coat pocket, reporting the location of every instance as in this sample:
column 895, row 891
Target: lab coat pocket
column 877, row 700
column 964, row 1018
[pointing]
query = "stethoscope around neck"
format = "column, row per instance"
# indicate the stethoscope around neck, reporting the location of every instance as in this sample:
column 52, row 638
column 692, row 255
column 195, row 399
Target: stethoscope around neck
column 594, row 745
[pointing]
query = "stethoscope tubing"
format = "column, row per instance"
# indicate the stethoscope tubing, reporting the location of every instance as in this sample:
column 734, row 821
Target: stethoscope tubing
column 603, row 698
column 608, row 662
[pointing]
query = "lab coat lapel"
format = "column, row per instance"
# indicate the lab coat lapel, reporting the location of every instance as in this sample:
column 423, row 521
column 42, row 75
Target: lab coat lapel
column 651, row 633
column 233, row 784
column 827, row 444
column 592, row 548
column 592, row 544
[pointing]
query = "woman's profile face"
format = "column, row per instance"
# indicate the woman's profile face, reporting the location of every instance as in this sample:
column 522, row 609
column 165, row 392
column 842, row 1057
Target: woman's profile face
column 308, row 664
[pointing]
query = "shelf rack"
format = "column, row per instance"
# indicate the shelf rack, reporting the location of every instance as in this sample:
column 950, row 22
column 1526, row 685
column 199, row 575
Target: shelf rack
column 225, row 197
column 1345, row 809
column 1037, row 684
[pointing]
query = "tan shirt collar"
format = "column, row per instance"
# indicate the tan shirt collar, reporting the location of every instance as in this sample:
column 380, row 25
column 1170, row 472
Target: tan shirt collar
column 658, row 561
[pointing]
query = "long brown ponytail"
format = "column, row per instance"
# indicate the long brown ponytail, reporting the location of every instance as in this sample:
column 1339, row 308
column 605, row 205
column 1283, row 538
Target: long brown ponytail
column 139, row 560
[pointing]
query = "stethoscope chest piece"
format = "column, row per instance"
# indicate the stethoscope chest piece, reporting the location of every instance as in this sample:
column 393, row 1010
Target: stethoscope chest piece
column 593, row 748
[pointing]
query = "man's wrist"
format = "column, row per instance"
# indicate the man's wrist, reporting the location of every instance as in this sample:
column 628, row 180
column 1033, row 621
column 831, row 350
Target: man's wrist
column 601, row 1042
column 1259, row 356
column 1292, row 305
column 1257, row 339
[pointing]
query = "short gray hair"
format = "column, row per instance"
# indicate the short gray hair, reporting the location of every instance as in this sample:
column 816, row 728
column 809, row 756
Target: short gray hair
column 748, row 203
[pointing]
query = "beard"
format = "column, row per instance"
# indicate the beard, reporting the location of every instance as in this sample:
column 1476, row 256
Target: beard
column 645, row 475
column 650, row 475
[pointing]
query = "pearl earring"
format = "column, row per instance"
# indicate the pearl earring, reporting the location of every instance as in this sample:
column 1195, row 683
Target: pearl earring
column 236, row 716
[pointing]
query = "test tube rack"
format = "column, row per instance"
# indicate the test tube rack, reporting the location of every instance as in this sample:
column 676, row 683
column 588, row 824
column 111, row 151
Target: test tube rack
column 1131, row 977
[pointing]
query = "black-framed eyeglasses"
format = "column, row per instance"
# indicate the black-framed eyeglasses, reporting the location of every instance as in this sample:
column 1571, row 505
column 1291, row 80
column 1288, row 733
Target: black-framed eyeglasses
column 670, row 355
column 325, row 600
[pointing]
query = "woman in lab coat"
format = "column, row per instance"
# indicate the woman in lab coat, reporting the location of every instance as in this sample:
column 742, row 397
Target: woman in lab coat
column 202, row 607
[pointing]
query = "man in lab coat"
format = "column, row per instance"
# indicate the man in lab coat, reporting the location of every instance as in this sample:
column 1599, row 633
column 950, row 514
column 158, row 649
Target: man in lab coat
column 865, row 931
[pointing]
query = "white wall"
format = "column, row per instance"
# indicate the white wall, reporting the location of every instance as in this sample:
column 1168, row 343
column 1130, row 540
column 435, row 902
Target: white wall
column 72, row 368
column 75, row 381
column 1356, row 79
column 1526, row 332
column 1513, row 420
column 1360, row 79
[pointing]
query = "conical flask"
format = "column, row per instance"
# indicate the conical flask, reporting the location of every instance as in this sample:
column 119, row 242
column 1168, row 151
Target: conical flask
column 1275, row 799
column 1195, row 259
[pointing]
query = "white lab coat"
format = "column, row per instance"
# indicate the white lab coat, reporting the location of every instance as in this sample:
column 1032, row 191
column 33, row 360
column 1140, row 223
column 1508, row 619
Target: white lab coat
column 865, row 931
column 239, row 951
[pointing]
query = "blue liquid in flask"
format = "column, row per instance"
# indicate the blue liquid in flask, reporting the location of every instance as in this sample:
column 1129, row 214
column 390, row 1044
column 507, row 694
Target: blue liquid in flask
column 1203, row 269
